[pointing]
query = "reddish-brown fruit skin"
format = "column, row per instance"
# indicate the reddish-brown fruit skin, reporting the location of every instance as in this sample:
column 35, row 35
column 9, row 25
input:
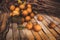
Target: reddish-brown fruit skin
column 32, row 15
column 24, row 13
column 22, row 6
column 11, row 14
column 15, row 13
column 29, row 25
column 37, row 27
column 12, row 7
column 29, row 5
column 29, row 10
column 28, row 18
column 52, row 25
column 40, row 18
column 17, row 8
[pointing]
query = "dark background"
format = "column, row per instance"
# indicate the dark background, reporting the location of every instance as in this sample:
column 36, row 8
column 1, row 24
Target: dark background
column 51, row 7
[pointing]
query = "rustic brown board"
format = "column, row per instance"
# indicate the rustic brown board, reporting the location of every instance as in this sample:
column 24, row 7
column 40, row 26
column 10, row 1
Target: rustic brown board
column 43, row 35
column 51, row 19
column 56, row 19
column 51, row 30
column 36, row 35
column 9, row 35
column 48, row 33
column 4, row 20
column 15, row 31
column 22, row 35
column 29, row 35
column 56, row 28
column 1, row 17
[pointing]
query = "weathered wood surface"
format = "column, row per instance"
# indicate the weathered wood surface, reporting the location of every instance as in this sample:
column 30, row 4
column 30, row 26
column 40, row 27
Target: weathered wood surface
column 45, row 34
column 3, row 21
column 3, row 27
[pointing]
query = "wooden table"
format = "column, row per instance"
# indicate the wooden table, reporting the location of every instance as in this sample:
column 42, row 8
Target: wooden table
column 45, row 34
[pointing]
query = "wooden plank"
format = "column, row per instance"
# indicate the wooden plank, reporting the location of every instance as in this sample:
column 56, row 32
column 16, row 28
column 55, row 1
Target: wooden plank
column 14, row 31
column 25, row 35
column 9, row 35
column 51, row 37
column 22, row 35
column 48, row 21
column 56, row 28
column 14, row 34
column 1, row 17
column 49, row 18
column 51, row 30
column 43, row 35
column 29, row 35
column 4, row 20
column 36, row 35
column 56, row 19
